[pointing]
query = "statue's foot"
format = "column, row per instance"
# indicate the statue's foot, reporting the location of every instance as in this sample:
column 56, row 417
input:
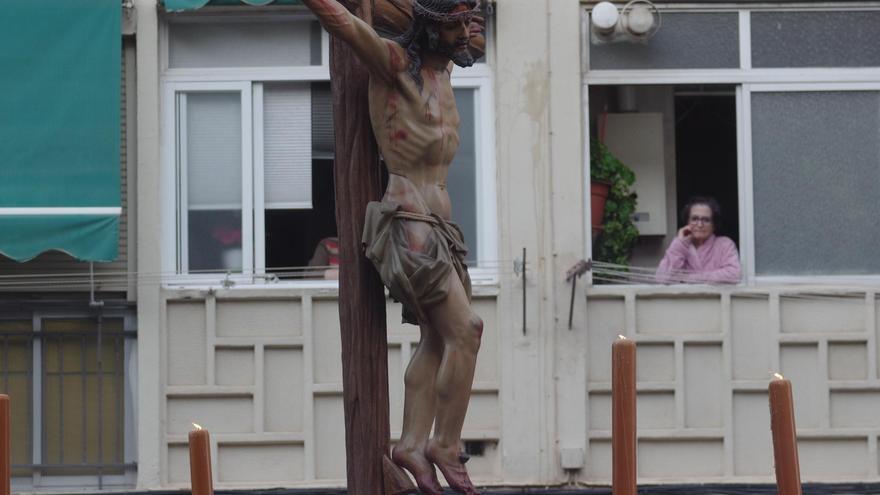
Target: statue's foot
column 421, row 469
column 450, row 464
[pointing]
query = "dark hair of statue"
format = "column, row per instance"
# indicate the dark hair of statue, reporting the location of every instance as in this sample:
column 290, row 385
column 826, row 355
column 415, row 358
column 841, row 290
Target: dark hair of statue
column 709, row 201
column 423, row 34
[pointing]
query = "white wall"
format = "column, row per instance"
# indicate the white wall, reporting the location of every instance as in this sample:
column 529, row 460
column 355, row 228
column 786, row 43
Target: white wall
column 149, row 431
column 705, row 356
column 261, row 370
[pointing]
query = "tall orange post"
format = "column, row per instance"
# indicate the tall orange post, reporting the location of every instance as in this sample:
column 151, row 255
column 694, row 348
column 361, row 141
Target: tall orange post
column 5, row 447
column 623, row 417
column 785, row 453
column 200, row 462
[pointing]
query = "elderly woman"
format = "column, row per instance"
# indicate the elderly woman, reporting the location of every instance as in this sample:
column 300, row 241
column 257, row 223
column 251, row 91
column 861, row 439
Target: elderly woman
column 697, row 255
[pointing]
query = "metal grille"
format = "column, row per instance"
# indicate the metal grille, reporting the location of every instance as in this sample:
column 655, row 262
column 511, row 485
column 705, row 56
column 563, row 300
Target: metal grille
column 66, row 373
column 16, row 380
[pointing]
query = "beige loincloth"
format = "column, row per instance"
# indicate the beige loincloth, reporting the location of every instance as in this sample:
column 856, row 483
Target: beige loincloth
column 417, row 279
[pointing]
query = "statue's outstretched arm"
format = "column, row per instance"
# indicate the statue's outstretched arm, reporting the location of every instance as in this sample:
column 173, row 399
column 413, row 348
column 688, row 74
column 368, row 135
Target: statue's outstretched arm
column 383, row 57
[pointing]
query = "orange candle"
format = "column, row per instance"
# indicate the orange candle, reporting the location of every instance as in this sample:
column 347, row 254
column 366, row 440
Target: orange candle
column 788, row 475
column 5, row 449
column 623, row 417
column 200, row 461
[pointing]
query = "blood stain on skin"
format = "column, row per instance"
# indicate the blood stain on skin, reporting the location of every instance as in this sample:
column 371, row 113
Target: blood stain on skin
column 395, row 58
column 392, row 101
column 399, row 135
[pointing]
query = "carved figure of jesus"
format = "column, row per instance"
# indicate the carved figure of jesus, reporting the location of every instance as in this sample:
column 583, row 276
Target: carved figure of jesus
column 409, row 236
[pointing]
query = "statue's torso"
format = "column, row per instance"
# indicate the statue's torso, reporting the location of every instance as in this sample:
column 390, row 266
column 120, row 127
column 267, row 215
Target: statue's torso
column 417, row 133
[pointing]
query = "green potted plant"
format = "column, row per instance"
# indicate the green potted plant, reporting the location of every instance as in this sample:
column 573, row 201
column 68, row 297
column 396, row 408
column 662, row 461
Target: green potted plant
column 616, row 234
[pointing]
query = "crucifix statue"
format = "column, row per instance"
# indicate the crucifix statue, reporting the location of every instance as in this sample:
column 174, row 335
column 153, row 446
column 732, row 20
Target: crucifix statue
column 408, row 236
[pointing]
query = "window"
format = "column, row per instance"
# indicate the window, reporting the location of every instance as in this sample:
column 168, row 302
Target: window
column 687, row 146
column 816, row 166
column 249, row 150
column 71, row 398
column 785, row 136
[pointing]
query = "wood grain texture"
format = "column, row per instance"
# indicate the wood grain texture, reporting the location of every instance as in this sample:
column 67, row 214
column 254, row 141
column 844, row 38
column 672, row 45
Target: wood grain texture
column 361, row 296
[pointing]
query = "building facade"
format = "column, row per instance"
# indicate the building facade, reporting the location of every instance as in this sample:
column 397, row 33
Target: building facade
column 227, row 155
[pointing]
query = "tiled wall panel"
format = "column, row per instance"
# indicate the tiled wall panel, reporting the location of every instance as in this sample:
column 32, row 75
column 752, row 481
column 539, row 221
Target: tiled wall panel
column 854, row 409
column 847, row 361
column 234, row 366
column 249, row 463
column 656, row 410
column 752, row 446
column 178, row 464
column 217, row 414
column 704, row 386
column 656, row 363
column 705, row 359
column 264, row 375
column 259, row 319
column 800, row 364
column 330, row 450
column 817, row 314
column 599, row 460
column 284, row 394
column 187, row 344
column 600, row 411
column 834, row 458
column 605, row 321
column 678, row 316
column 750, row 336
column 677, row 459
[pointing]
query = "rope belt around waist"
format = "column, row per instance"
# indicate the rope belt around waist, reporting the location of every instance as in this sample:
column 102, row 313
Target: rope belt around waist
column 408, row 215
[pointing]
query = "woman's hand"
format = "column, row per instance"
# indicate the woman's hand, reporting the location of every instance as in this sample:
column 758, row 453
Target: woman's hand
column 685, row 233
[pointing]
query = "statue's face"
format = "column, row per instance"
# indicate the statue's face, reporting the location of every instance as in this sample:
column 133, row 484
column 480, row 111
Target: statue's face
column 453, row 38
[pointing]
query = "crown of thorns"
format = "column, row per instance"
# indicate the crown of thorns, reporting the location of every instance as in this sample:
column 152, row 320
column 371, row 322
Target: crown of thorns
column 422, row 8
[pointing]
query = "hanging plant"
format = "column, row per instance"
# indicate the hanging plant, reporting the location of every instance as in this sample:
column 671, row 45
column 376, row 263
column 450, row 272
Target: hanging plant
column 619, row 233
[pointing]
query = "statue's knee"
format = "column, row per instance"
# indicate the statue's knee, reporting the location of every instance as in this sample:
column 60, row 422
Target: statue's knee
column 477, row 328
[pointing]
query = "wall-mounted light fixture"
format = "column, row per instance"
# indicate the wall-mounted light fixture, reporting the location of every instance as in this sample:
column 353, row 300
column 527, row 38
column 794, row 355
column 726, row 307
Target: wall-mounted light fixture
column 637, row 21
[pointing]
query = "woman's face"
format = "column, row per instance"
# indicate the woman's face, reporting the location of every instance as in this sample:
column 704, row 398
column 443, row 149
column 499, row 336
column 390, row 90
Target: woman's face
column 700, row 222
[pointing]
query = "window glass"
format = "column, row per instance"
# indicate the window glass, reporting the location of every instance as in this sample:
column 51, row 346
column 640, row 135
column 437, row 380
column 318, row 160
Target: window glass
column 15, row 381
column 462, row 179
column 199, row 44
column 815, row 39
column 83, row 383
column 684, row 41
column 213, row 170
column 816, row 165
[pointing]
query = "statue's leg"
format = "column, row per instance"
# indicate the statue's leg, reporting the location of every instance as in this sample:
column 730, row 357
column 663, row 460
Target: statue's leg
column 418, row 411
column 460, row 329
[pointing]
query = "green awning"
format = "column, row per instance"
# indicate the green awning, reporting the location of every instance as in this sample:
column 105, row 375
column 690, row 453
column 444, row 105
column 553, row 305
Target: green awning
column 182, row 5
column 60, row 128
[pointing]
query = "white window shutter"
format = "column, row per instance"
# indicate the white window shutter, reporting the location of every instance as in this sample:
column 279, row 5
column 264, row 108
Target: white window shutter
column 287, row 145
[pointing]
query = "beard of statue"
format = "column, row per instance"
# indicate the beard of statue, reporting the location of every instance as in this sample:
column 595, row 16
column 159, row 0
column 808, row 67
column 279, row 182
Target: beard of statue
column 461, row 57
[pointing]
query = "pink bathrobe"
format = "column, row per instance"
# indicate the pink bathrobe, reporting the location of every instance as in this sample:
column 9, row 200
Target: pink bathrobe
column 715, row 261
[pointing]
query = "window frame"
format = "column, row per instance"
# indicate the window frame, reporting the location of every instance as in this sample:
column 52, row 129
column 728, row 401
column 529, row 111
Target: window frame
column 172, row 81
column 174, row 128
column 746, row 80
column 37, row 481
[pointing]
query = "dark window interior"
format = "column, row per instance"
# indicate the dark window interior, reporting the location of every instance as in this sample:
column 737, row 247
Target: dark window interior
column 705, row 151
column 704, row 139
column 293, row 235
